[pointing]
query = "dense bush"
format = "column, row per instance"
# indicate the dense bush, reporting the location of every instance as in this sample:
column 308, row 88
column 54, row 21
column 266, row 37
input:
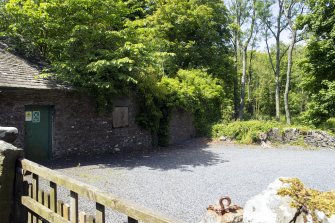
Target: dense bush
column 195, row 90
column 322, row 105
column 329, row 124
column 244, row 131
column 248, row 131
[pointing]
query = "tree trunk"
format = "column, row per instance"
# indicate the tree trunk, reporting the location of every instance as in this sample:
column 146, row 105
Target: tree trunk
column 236, row 95
column 251, row 101
column 244, row 74
column 288, row 77
column 277, row 97
column 250, row 77
column 277, row 74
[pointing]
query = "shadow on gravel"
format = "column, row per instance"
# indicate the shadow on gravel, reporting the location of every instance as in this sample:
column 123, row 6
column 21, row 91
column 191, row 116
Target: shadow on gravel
column 192, row 153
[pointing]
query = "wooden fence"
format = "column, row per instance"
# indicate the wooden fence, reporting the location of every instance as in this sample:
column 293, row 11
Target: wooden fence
column 37, row 206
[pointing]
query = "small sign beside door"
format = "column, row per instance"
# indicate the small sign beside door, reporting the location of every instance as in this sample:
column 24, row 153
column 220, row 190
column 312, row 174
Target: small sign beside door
column 36, row 116
column 29, row 116
column 33, row 116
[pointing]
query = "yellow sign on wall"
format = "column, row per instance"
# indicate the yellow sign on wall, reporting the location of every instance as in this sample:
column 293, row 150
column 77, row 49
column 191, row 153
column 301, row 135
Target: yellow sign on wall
column 29, row 116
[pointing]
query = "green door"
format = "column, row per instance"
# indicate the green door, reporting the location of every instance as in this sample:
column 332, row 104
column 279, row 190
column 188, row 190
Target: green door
column 38, row 135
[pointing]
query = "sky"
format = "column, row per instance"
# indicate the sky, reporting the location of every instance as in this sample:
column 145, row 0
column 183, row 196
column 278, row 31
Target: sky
column 285, row 35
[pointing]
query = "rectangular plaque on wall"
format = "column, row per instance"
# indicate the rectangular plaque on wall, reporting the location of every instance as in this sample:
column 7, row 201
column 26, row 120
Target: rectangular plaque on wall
column 120, row 117
column 29, row 116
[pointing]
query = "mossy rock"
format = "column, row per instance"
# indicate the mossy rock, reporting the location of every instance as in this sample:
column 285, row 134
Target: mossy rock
column 312, row 200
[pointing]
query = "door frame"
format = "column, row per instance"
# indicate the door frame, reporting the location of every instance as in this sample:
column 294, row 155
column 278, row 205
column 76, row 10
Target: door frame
column 51, row 109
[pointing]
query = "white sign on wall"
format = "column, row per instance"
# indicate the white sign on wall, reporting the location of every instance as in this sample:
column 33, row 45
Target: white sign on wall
column 36, row 116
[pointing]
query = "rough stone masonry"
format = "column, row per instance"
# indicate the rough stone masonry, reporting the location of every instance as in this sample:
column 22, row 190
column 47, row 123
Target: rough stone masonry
column 314, row 138
column 77, row 128
column 8, row 156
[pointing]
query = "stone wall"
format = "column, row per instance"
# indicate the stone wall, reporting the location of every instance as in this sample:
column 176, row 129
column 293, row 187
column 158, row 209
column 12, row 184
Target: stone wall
column 181, row 126
column 77, row 129
column 314, row 138
column 319, row 139
column 8, row 156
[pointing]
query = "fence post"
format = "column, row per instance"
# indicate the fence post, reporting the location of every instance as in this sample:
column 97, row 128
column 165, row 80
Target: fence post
column 8, row 156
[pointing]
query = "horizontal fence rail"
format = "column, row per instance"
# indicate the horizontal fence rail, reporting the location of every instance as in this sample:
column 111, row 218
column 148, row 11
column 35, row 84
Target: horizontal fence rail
column 45, row 207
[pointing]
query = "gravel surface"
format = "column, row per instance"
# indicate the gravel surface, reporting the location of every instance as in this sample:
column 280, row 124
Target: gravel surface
column 182, row 181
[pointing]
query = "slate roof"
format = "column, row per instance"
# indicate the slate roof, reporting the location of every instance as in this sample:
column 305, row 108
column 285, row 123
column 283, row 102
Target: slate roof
column 18, row 73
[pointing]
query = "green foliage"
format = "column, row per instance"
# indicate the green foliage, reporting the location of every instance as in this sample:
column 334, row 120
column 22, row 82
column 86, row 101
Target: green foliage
column 191, row 88
column 197, row 92
column 329, row 124
column 244, row 131
column 322, row 105
column 319, row 64
column 194, row 90
column 185, row 39
column 83, row 42
column 174, row 53
column 263, row 85
column 311, row 199
column 248, row 132
column 155, row 49
column 187, row 35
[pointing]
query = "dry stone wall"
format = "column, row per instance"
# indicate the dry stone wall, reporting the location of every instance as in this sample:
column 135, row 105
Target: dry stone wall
column 320, row 139
column 181, row 126
column 8, row 156
column 314, row 138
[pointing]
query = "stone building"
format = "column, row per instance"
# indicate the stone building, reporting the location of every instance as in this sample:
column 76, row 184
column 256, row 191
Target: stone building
column 55, row 121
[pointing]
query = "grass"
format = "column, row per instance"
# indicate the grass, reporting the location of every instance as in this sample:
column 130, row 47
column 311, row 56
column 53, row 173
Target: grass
column 299, row 142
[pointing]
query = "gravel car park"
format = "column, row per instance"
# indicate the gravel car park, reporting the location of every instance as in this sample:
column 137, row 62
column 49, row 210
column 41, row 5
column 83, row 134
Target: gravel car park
column 181, row 181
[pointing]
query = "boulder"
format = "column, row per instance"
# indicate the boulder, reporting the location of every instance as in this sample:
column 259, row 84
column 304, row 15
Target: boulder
column 223, row 138
column 8, row 156
column 263, row 136
column 291, row 134
column 8, row 134
column 269, row 207
column 266, row 144
column 275, row 135
column 323, row 218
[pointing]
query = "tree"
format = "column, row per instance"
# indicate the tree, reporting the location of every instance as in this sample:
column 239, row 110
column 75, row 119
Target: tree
column 188, row 35
column 274, row 25
column 264, row 85
column 195, row 32
column 243, row 14
column 319, row 64
column 321, row 106
column 82, row 42
column 252, row 52
column 292, row 8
